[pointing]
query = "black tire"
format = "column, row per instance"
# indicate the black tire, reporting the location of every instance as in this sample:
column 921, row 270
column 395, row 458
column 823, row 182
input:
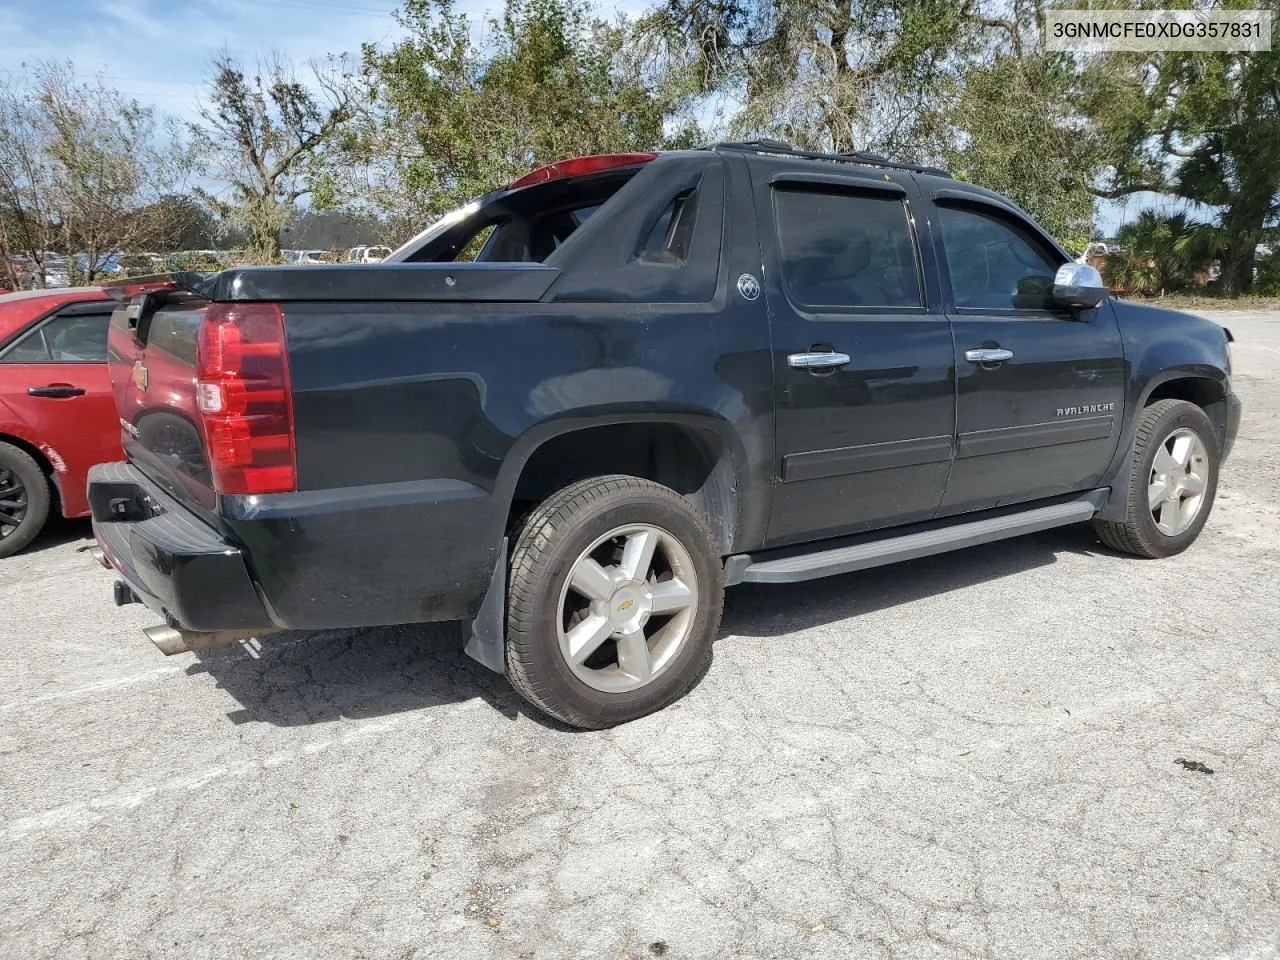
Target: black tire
column 1138, row 534
column 551, row 539
column 31, row 488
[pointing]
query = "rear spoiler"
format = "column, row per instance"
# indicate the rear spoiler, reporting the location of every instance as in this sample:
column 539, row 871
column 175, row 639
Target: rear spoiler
column 192, row 281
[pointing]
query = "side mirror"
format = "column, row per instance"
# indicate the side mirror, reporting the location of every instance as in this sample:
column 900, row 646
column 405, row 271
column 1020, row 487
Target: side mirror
column 1079, row 286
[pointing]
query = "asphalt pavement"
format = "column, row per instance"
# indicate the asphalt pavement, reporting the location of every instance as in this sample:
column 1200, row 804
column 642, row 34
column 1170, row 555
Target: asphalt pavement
column 1031, row 750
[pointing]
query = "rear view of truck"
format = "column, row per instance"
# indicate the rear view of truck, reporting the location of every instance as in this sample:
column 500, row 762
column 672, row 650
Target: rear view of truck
column 312, row 447
column 530, row 417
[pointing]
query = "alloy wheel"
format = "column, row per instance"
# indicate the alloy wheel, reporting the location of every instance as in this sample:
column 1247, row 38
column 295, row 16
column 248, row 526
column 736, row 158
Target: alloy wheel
column 1179, row 478
column 627, row 608
column 13, row 502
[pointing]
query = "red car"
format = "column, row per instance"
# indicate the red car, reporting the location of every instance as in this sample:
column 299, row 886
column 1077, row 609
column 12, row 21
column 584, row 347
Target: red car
column 57, row 415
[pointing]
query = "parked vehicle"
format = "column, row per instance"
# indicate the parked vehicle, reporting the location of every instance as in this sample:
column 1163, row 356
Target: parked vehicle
column 368, row 254
column 106, row 263
column 57, row 416
column 661, row 375
column 303, row 256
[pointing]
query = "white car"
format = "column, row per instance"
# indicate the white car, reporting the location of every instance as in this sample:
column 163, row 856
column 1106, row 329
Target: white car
column 367, row 254
column 303, row 256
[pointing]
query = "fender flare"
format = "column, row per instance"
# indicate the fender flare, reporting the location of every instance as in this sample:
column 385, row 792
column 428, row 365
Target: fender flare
column 527, row 444
column 1119, row 473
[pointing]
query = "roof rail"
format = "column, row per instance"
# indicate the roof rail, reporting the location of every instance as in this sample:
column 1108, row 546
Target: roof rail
column 862, row 157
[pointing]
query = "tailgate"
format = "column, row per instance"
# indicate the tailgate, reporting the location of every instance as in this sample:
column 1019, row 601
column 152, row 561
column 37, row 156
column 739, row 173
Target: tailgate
column 151, row 355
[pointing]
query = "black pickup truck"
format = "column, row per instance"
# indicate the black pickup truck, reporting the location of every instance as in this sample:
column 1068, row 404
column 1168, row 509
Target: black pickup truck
column 573, row 411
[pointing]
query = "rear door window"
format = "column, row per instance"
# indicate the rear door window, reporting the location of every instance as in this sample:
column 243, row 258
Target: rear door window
column 846, row 249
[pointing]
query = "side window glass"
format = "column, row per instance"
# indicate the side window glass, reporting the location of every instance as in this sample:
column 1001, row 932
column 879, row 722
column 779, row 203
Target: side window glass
column 472, row 250
column 843, row 249
column 78, row 339
column 30, row 349
column 174, row 332
column 992, row 265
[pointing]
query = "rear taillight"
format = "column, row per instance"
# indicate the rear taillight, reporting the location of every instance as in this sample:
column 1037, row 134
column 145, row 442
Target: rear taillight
column 242, row 390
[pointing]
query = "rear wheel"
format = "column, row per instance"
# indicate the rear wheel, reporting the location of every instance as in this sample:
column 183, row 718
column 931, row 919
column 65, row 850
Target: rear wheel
column 24, row 499
column 1172, row 482
column 613, row 601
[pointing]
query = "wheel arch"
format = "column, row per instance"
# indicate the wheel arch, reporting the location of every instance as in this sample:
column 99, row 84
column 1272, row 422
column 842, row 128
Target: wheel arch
column 1203, row 385
column 697, row 455
column 1206, row 392
column 46, row 465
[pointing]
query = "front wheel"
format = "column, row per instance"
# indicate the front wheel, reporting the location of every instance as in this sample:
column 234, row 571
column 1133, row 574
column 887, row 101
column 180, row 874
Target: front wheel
column 613, row 601
column 1172, row 482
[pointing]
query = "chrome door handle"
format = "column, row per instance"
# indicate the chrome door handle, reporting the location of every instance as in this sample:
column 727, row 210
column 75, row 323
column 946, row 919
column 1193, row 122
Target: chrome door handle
column 817, row 361
column 987, row 355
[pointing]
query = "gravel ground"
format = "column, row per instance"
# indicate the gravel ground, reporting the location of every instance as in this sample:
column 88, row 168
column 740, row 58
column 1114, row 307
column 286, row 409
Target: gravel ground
column 973, row 755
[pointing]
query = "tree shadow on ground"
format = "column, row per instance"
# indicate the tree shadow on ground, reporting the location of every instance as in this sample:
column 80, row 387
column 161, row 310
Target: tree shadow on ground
column 300, row 679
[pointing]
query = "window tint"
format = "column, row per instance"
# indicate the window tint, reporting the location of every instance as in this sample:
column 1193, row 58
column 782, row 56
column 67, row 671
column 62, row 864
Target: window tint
column 30, row 349
column 174, row 332
column 846, row 249
column 553, row 230
column 992, row 265
column 66, row 339
column 472, row 250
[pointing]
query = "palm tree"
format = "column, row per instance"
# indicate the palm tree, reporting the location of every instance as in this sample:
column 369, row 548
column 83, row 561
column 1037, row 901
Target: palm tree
column 1161, row 253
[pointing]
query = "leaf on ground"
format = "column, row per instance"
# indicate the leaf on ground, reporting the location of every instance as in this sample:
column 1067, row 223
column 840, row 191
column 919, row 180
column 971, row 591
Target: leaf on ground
column 1195, row 765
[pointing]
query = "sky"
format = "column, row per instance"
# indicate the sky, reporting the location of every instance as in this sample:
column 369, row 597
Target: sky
column 159, row 51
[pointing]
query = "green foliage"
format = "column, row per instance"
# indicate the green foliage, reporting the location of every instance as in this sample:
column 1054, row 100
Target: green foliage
column 1162, row 254
column 81, row 168
column 191, row 260
column 836, row 77
column 1268, row 281
column 447, row 117
column 1203, row 126
column 1015, row 132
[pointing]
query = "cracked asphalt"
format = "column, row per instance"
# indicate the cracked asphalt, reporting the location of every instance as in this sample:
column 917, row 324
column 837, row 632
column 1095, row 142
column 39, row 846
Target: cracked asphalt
column 974, row 755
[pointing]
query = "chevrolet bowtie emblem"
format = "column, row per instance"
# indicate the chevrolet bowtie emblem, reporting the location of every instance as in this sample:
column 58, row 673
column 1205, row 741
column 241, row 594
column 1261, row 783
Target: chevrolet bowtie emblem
column 626, row 604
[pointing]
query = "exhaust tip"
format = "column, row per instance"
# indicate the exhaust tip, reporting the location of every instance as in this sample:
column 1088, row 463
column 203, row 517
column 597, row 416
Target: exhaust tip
column 170, row 640
column 167, row 640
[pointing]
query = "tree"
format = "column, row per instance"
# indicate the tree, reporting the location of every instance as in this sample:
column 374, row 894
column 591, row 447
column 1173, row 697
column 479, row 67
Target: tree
column 1161, row 254
column 447, row 117
column 265, row 137
column 961, row 83
column 81, row 168
column 1011, row 123
column 333, row 229
column 1202, row 126
column 839, row 77
column 185, row 224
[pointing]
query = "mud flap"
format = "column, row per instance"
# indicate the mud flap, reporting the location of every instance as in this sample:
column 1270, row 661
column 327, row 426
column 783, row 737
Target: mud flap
column 486, row 634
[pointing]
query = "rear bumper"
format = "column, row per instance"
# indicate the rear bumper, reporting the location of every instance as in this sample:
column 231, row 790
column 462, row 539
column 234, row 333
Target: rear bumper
column 178, row 566
column 1234, row 411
